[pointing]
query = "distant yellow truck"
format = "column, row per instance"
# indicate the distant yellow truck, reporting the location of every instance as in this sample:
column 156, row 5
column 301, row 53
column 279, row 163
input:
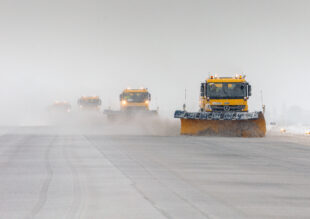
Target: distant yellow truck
column 89, row 103
column 135, row 99
column 60, row 107
column 133, row 102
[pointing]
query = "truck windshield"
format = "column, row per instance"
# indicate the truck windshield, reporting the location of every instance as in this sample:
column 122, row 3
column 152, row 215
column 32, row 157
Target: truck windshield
column 226, row 90
column 135, row 96
column 90, row 102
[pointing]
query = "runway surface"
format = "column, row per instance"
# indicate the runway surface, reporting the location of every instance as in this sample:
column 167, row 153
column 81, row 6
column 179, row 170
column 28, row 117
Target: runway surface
column 47, row 173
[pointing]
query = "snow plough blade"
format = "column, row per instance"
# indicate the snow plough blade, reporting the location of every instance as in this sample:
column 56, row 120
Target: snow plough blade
column 239, row 124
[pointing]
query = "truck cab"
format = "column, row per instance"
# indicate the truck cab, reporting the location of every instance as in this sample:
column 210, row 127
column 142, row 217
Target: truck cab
column 225, row 94
column 89, row 103
column 60, row 107
column 135, row 99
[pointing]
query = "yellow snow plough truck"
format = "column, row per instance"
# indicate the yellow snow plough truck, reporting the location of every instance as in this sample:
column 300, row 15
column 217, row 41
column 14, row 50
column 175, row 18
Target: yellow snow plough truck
column 133, row 102
column 91, row 103
column 223, row 110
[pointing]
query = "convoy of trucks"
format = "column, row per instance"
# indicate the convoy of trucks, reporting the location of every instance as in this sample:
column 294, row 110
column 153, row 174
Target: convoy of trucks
column 223, row 109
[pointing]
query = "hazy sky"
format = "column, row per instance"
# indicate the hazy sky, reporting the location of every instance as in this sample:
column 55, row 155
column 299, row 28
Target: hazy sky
column 62, row 49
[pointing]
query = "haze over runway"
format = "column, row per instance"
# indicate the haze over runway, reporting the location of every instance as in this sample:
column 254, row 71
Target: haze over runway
column 47, row 172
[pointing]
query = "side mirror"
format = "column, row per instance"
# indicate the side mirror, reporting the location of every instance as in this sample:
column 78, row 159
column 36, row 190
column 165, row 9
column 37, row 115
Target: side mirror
column 203, row 89
column 121, row 97
column 99, row 102
column 249, row 90
column 149, row 97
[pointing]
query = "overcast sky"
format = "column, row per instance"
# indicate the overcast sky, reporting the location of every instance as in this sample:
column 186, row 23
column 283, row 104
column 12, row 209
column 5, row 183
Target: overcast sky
column 62, row 49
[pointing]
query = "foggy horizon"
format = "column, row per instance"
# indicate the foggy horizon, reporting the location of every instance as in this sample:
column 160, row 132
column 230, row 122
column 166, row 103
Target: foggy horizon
column 61, row 50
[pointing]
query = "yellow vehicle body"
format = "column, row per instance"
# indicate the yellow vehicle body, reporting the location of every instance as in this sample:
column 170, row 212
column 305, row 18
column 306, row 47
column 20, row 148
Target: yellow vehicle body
column 134, row 104
column 206, row 102
column 89, row 103
column 60, row 106
column 223, row 110
column 135, row 99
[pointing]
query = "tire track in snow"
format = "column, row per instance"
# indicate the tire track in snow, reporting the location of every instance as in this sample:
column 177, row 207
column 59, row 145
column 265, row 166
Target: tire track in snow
column 44, row 189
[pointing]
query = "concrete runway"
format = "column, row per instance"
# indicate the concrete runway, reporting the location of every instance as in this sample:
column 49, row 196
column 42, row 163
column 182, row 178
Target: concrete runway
column 45, row 173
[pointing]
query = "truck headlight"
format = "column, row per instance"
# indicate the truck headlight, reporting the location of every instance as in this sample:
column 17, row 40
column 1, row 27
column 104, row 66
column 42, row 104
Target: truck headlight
column 124, row 102
column 147, row 102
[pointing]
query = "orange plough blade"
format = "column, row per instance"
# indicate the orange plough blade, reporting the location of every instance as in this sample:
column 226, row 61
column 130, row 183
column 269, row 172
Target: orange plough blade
column 238, row 128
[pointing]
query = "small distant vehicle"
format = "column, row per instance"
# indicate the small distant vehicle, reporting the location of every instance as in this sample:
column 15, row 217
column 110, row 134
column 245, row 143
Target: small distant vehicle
column 283, row 130
column 133, row 102
column 60, row 107
column 223, row 110
column 89, row 103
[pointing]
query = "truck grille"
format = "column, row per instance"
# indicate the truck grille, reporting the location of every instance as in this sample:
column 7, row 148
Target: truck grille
column 227, row 107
